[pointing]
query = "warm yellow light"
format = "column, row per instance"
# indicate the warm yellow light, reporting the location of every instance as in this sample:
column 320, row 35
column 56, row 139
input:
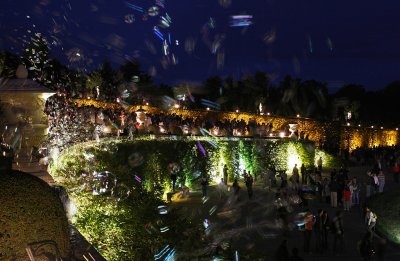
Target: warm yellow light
column 176, row 106
column 282, row 134
column 348, row 124
column 298, row 115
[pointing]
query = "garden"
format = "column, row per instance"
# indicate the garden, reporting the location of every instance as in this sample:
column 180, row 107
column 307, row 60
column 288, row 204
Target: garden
column 119, row 186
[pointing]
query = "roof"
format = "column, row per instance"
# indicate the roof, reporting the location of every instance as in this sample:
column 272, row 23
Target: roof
column 23, row 85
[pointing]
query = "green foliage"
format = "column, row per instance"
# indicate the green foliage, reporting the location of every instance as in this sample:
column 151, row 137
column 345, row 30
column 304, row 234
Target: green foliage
column 328, row 160
column 387, row 208
column 30, row 211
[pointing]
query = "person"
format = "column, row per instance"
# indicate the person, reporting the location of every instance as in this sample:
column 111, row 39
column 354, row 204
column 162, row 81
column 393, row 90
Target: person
column 318, row 228
column 244, row 174
column 319, row 162
column 396, row 171
column 272, row 177
column 333, row 188
column 236, row 189
column 370, row 219
column 225, row 171
column 368, row 185
column 173, row 179
column 338, row 232
column 204, row 185
column 325, row 229
column 366, row 247
column 249, row 185
column 308, row 229
column 381, row 180
column 295, row 255
column 282, row 253
column 346, row 199
column 283, row 179
column 355, row 192
column 303, row 172
column 295, row 176
column 325, row 190
column 375, row 184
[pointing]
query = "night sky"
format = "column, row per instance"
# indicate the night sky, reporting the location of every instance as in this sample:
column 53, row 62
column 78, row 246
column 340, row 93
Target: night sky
column 337, row 42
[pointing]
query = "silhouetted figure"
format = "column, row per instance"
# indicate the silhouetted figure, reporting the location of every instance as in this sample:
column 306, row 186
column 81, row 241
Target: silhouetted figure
column 338, row 232
column 204, row 185
column 295, row 255
column 282, row 253
column 225, row 171
column 249, row 185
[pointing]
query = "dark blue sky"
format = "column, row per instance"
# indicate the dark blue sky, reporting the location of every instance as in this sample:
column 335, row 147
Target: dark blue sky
column 336, row 42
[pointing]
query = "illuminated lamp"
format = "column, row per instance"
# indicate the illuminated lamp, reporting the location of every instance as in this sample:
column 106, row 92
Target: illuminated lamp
column 282, row 134
column 348, row 124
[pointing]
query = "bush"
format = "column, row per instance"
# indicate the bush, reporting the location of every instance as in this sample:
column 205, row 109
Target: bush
column 30, row 211
column 387, row 208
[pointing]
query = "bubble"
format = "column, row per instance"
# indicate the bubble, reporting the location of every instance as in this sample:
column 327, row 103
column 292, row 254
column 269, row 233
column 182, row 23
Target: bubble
column 136, row 79
column 135, row 160
column 173, row 167
column 120, row 192
column 162, row 210
column 75, row 55
column 153, row 11
column 270, row 37
column 220, row 60
column 152, row 71
column 116, row 41
column 129, row 18
column 225, row 3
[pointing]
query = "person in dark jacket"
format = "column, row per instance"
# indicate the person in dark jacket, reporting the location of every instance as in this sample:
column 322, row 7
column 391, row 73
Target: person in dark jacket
column 282, row 253
column 334, row 187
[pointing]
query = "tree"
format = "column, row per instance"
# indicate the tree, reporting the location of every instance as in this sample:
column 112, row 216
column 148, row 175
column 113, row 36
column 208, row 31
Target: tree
column 93, row 81
column 108, row 86
column 9, row 64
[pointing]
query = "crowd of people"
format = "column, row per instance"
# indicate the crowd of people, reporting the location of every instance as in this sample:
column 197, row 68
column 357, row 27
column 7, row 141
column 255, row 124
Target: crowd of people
column 333, row 190
column 69, row 123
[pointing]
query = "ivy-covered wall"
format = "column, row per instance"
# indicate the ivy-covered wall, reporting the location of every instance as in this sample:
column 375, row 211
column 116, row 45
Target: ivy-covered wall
column 368, row 137
column 111, row 213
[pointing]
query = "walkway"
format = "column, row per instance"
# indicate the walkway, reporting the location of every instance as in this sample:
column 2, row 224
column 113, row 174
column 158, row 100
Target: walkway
column 249, row 226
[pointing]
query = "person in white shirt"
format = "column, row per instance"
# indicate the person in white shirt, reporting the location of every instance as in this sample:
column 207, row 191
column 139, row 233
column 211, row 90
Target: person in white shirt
column 370, row 219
